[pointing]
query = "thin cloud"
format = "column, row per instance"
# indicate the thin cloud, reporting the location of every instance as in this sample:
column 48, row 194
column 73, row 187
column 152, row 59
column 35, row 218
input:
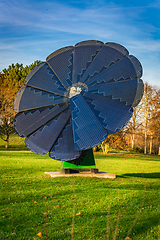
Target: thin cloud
column 148, row 46
column 68, row 19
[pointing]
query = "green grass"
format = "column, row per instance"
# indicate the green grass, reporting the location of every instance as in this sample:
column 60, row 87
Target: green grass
column 127, row 207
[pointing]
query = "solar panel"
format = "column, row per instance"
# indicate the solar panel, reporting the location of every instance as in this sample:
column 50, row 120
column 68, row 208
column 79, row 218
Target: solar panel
column 82, row 93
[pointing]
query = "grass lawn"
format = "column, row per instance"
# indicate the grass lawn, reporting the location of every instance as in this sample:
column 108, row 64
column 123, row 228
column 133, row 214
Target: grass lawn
column 32, row 202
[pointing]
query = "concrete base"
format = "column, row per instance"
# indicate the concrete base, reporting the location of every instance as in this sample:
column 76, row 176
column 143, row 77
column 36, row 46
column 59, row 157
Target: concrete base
column 82, row 174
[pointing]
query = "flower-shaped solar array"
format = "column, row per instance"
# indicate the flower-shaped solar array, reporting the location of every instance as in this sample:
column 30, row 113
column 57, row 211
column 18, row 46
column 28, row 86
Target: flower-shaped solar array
column 81, row 94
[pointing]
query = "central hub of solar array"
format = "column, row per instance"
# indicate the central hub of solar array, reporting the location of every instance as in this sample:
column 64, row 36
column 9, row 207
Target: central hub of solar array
column 76, row 89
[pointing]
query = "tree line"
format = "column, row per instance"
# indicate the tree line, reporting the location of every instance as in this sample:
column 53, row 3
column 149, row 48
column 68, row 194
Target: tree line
column 142, row 133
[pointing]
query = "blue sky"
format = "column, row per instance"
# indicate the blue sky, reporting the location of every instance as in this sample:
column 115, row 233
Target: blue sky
column 32, row 29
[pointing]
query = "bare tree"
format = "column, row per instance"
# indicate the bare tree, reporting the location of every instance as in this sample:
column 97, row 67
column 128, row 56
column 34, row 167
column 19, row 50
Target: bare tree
column 154, row 121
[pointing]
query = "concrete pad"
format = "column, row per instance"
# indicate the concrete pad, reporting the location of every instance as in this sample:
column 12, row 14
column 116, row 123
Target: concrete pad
column 98, row 175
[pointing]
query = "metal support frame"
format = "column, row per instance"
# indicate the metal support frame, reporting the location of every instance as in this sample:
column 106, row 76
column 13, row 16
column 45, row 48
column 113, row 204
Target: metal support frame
column 85, row 163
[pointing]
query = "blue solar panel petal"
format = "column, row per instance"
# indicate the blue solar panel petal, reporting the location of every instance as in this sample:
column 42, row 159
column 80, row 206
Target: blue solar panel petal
column 84, row 53
column 61, row 64
column 123, row 92
column 139, row 93
column 109, row 54
column 43, row 139
column 31, row 98
column 42, row 77
column 28, row 122
column 118, row 47
column 63, row 149
column 137, row 65
column 122, row 70
column 87, row 130
column 113, row 115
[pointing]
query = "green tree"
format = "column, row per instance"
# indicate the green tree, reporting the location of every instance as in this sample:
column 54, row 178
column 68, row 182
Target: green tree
column 11, row 80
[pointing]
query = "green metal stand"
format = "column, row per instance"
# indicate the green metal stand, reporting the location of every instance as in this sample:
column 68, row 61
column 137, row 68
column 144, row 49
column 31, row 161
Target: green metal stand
column 84, row 163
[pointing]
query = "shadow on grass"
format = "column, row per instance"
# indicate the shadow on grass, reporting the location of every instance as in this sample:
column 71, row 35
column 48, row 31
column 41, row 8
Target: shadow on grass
column 140, row 175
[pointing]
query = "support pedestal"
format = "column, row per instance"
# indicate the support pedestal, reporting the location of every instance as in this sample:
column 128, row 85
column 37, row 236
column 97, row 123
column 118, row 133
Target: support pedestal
column 84, row 166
